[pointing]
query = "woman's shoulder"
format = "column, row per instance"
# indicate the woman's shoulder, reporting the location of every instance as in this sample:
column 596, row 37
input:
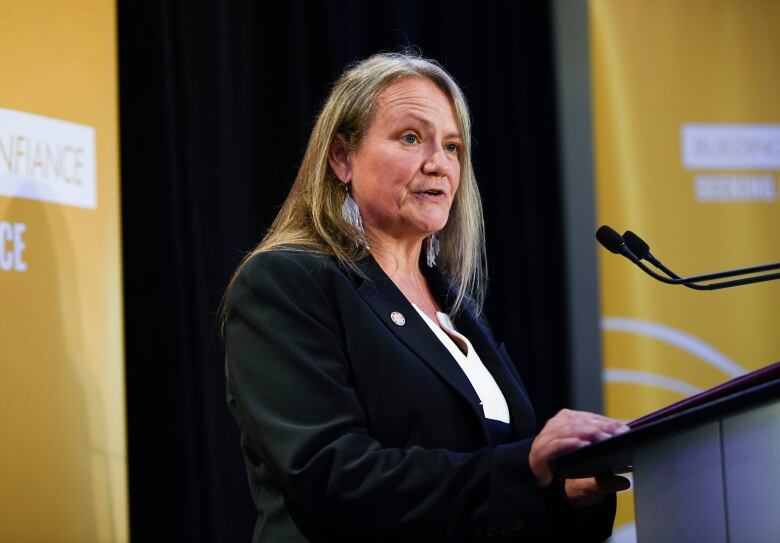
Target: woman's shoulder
column 290, row 254
column 287, row 260
column 290, row 273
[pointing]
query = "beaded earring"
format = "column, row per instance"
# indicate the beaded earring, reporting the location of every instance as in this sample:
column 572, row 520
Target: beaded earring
column 351, row 214
column 432, row 249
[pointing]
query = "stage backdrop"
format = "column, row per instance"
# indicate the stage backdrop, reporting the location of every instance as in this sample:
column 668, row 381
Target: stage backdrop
column 62, row 418
column 687, row 143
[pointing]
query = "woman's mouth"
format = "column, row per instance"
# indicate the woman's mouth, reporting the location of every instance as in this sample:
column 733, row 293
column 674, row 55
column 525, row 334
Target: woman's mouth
column 434, row 195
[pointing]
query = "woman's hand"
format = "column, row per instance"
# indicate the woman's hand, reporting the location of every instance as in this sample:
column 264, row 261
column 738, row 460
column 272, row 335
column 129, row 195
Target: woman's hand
column 591, row 490
column 569, row 430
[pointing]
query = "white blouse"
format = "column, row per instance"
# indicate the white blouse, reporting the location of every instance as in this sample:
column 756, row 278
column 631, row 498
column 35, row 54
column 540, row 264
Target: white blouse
column 491, row 398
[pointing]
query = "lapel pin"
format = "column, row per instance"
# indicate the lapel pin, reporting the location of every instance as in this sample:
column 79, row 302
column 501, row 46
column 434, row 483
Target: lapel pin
column 397, row 318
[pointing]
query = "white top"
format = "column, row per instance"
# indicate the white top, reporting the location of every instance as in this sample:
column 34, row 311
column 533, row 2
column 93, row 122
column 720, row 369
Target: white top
column 491, row 398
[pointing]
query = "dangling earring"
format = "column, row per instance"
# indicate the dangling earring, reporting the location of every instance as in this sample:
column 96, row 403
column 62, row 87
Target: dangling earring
column 432, row 249
column 351, row 214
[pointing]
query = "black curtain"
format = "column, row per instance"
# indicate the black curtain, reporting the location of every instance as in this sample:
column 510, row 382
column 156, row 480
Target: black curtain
column 216, row 105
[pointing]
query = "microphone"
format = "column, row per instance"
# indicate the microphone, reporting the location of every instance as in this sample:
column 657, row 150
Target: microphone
column 640, row 248
column 612, row 241
column 636, row 249
column 642, row 251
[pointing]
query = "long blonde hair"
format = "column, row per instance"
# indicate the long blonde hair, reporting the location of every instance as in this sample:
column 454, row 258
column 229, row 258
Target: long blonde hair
column 311, row 217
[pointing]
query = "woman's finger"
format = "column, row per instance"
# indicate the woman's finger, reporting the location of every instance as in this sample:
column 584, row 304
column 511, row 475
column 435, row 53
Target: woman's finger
column 591, row 490
column 568, row 418
column 566, row 431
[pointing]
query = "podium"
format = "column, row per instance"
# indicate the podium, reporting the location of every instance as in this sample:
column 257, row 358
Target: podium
column 706, row 470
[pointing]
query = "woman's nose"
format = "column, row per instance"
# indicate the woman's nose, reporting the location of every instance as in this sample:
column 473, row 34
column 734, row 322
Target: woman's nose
column 435, row 162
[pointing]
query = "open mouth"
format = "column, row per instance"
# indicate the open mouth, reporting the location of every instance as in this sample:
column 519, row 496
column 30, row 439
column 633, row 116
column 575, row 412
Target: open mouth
column 432, row 195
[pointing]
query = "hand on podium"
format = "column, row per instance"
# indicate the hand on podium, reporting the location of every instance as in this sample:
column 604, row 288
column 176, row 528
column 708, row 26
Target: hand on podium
column 569, row 430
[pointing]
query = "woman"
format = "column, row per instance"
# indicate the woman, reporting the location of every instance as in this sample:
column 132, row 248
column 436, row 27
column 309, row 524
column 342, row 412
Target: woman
column 374, row 403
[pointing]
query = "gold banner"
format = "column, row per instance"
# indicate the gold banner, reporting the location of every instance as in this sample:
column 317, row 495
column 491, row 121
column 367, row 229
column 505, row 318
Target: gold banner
column 687, row 152
column 62, row 418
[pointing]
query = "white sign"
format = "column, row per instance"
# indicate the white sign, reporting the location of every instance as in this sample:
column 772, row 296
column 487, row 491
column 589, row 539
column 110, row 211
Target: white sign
column 47, row 159
column 735, row 188
column 12, row 246
column 731, row 146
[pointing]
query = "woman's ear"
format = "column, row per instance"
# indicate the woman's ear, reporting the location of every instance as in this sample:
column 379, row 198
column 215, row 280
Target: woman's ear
column 339, row 158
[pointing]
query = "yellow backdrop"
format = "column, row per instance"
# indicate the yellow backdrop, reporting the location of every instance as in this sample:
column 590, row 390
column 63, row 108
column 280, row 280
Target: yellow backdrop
column 62, row 418
column 687, row 143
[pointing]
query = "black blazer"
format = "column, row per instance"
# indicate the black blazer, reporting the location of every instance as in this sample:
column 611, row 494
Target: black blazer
column 355, row 428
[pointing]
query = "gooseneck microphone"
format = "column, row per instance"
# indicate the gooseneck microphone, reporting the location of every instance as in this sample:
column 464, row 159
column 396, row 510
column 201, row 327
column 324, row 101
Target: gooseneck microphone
column 642, row 252
column 636, row 249
column 614, row 242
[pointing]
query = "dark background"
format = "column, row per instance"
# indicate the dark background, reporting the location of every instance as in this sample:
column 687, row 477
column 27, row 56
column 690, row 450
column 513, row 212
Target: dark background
column 216, row 101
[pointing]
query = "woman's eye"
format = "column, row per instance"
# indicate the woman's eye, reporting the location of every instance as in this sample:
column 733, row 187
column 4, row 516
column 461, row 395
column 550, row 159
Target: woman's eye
column 453, row 147
column 409, row 138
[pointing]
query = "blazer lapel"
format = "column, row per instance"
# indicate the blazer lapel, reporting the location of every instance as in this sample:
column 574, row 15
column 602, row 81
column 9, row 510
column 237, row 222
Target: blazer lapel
column 381, row 294
column 508, row 380
column 520, row 408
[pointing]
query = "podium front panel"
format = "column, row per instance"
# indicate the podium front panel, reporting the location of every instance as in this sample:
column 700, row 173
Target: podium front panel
column 751, row 455
column 678, row 487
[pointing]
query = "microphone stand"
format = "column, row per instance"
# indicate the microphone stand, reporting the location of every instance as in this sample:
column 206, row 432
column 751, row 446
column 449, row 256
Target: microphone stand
column 618, row 244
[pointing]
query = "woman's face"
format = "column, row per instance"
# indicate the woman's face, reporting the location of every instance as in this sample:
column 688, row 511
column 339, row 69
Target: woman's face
column 406, row 170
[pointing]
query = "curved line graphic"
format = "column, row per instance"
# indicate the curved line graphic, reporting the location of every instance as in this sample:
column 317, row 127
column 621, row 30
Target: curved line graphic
column 677, row 338
column 652, row 379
